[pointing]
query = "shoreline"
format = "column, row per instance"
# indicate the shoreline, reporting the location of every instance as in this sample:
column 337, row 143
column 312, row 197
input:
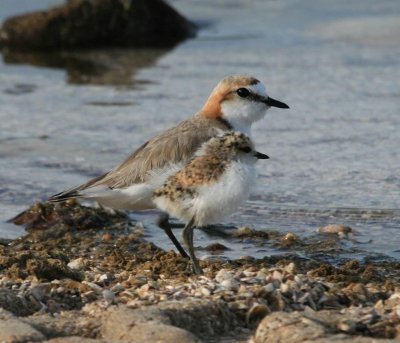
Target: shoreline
column 83, row 273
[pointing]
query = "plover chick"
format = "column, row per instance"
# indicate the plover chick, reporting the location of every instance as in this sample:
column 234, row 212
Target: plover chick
column 234, row 104
column 212, row 185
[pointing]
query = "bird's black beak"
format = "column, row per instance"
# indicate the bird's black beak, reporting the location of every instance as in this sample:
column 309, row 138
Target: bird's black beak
column 275, row 103
column 261, row 156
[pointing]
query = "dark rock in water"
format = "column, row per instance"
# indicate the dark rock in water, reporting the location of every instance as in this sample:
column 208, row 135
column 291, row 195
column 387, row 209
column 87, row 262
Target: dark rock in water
column 97, row 23
column 216, row 247
column 70, row 214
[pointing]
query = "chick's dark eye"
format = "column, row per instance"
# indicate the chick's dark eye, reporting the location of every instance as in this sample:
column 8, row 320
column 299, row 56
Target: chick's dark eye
column 243, row 92
column 246, row 149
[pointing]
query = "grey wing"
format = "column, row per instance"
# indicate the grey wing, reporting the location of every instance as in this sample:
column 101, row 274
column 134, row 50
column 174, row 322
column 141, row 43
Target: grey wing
column 177, row 144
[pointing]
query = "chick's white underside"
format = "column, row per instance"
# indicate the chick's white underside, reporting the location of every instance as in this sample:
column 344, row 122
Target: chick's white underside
column 214, row 201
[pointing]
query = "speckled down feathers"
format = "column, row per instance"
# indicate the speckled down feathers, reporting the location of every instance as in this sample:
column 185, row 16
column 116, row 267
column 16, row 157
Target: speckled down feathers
column 223, row 161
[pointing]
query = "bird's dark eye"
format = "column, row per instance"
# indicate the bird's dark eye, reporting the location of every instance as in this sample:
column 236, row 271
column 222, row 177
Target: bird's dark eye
column 246, row 149
column 243, row 92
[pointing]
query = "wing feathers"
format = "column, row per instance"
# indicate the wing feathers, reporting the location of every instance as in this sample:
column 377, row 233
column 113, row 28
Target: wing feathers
column 175, row 145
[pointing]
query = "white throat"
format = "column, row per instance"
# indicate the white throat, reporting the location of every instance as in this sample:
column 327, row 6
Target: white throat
column 242, row 114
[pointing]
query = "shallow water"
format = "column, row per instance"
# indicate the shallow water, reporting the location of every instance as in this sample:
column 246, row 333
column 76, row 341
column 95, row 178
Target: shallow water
column 334, row 154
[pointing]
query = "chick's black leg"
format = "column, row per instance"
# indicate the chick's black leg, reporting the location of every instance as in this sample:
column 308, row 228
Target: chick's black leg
column 163, row 223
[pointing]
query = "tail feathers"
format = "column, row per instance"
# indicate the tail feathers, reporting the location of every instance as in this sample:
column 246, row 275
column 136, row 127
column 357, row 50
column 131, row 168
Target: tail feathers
column 75, row 192
column 69, row 194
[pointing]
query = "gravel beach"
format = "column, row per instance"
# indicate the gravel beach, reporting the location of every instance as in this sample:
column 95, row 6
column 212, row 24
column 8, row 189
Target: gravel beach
column 88, row 275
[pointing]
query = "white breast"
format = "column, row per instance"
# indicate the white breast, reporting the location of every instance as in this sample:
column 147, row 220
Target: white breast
column 218, row 200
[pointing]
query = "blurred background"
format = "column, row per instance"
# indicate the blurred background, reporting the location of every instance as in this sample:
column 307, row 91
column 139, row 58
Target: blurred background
column 335, row 157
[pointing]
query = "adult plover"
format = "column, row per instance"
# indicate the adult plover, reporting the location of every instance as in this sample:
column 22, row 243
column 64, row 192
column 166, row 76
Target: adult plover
column 234, row 104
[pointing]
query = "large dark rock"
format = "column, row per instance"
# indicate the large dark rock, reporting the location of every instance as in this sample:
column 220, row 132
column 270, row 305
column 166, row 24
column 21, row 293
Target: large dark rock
column 97, row 23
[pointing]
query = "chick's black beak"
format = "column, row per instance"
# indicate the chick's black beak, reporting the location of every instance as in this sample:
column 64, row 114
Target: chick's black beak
column 261, row 156
column 275, row 103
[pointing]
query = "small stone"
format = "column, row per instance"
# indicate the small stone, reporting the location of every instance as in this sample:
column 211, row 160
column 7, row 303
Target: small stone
column 222, row 275
column 277, row 275
column 107, row 237
column 261, row 275
column 143, row 291
column 269, row 288
column 40, row 291
column 243, row 231
column 284, row 288
column 89, row 296
column 215, row 247
column 242, row 288
column 335, row 229
column 290, row 240
column 256, row 314
column 248, row 273
column 347, row 325
column 109, row 296
column 290, row 268
column 76, row 264
column 205, row 291
column 230, row 284
column 105, row 277
column 118, row 288
column 60, row 290
column 93, row 286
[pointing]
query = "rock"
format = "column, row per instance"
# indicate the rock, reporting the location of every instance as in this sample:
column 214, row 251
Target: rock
column 246, row 232
column 65, row 216
column 40, row 291
column 216, row 247
column 200, row 317
column 118, row 321
column 287, row 327
column 109, row 296
column 157, row 332
column 342, row 231
column 316, row 327
column 76, row 264
column 13, row 330
column 350, row 339
column 97, row 23
column 223, row 275
column 290, row 240
column 11, row 302
column 230, row 284
column 256, row 313
column 75, row 339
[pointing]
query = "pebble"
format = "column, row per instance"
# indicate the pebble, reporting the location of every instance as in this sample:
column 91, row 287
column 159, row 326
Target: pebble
column 230, row 284
column 107, row 237
column 40, row 291
column 93, row 286
column 269, row 287
column 109, row 296
column 76, row 264
column 335, row 229
column 118, row 288
column 223, row 275
column 205, row 291
column 256, row 313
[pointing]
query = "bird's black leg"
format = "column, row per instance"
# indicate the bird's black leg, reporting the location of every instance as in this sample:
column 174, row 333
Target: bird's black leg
column 163, row 223
column 187, row 235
